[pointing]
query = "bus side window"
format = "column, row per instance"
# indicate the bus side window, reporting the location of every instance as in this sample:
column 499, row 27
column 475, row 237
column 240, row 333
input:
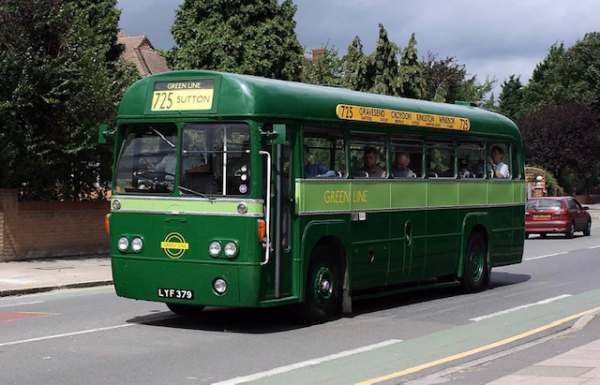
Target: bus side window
column 440, row 160
column 367, row 154
column 407, row 159
column 471, row 161
column 499, row 161
column 324, row 155
column 516, row 172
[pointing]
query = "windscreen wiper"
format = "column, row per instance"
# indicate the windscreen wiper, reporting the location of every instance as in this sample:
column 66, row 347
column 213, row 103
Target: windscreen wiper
column 209, row 197
column 163, row 137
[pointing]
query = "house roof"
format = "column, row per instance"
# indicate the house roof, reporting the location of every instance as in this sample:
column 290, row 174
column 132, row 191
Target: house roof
column 140, row 52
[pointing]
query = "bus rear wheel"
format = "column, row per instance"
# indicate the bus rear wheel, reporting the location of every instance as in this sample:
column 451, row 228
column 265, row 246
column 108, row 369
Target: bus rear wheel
column 185, row 310
column 323, row 293
column 476, row 273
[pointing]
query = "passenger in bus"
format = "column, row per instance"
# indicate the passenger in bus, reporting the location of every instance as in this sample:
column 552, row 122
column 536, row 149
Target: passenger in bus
column 167, row 165
column 499, row 169
column 464, row 170
column 400, row 167
column 313, row 168
column 371, row 168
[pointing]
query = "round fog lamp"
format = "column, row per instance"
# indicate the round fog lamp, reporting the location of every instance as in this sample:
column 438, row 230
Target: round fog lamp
column 220, row 286
column 123, row 244
column 230, row 249
column 137, row 244
column 214, row 249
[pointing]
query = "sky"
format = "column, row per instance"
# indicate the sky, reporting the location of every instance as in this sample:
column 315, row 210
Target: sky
column 493, row 39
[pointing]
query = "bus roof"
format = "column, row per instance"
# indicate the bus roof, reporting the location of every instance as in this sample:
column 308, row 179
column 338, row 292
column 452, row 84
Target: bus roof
column 241, row 96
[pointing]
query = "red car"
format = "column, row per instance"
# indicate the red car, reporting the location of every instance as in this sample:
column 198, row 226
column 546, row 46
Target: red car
column 556, row 215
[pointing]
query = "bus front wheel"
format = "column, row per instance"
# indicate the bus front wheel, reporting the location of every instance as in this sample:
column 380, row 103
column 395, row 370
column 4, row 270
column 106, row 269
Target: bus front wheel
column 476, row 273
column 323, row 290
column 185, row 310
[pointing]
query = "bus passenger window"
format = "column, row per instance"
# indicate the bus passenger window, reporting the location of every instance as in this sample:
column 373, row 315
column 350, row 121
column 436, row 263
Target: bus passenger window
column 471, row 161
column 407, row 161
column 324, row 153
column 367, row 152
column 499, row 161
column 440, row 161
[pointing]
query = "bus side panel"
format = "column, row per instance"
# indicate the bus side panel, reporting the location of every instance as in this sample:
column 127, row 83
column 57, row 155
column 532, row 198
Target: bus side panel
column 408, row 246
column 370, row 251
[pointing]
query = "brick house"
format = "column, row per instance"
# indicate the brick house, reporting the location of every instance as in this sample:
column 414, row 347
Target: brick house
column 140, row 52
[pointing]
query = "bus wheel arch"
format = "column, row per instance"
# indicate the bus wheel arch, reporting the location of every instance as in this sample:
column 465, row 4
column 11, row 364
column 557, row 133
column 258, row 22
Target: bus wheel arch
column 325, row 280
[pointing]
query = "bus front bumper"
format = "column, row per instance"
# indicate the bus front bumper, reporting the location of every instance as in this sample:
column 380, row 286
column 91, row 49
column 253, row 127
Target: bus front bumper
column 166, row 280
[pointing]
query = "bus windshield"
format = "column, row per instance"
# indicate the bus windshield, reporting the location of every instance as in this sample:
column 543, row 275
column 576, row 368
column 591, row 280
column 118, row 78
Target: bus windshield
column 147, row 160
column 215, row 159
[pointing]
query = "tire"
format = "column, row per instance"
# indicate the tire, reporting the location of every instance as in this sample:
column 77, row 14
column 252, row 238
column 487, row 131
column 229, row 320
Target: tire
column 323, row 293
column 571, row 231
column 543, row 235
column 588, row 229
column 185, row 310
column 527, row 235
column 476, row 272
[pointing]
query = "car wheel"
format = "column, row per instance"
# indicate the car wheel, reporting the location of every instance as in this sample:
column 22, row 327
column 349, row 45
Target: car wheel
column 588, row 229
column 185, row 310
column 323, row 295
column 571, row 231
column 476, row 273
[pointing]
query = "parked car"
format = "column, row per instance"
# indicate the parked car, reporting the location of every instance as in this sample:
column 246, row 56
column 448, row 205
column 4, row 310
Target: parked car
column 562, row 215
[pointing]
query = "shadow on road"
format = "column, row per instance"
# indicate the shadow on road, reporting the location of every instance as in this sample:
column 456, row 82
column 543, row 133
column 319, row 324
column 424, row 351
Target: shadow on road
column 282, row 319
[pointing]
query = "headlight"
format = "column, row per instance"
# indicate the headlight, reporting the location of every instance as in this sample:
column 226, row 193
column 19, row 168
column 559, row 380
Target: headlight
column 123, row 244
column 214, row 249
column 137, row 244
column 230, row 249
column 220, row 286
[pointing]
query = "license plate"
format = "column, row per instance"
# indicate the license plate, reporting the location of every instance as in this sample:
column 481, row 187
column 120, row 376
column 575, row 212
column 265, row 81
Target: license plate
column 175, row 293
column 541, row 217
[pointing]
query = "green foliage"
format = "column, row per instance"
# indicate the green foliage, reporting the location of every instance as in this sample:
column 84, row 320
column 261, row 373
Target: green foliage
column 383, row 65
column 325, row 69
column 511, row 97
column 565, row 140
column 412, row 82
column 61, row 78
column 354, row 67
column 250, row 37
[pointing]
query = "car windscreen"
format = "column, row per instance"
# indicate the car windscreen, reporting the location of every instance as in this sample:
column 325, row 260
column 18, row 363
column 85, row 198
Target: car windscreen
column 543, row 204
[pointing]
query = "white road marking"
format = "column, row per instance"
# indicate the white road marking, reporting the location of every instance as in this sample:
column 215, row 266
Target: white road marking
column 542, row 302
column 594, row 247
column 19, row 342
column 303, row 364
column 15, row 280
column 21, row 303
column 545, row 256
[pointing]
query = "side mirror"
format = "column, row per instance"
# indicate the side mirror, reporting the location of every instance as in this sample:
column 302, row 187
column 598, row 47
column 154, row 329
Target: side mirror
column 104, row 133
column 279, row 131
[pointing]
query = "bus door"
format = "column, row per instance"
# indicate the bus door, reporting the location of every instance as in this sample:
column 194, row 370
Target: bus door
column 282, row 194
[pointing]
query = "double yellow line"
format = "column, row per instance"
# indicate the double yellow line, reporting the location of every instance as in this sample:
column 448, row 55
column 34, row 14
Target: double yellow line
column 493, row 345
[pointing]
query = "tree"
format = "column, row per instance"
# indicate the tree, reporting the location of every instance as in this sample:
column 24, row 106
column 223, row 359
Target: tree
column 383, row 65
column 324, row 68
column 411, row 78
column 564, row 139
column 442, row 78
column 544, row 86
column 251, row 37
column 59, row 61
column 511, row 97
column 354, row 67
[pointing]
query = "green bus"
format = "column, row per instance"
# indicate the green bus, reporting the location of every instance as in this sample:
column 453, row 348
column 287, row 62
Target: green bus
column 239, row 191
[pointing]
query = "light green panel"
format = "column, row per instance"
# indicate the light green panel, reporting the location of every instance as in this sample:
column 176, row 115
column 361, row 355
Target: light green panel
column 364, row 195
column 186, row 206
column 442, row 193
column 370, row 196
column 407, row 194
column 471, row 193
column 501, row 192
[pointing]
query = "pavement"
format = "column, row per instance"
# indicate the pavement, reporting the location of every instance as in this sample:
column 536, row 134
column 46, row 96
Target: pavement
column 34, row 276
